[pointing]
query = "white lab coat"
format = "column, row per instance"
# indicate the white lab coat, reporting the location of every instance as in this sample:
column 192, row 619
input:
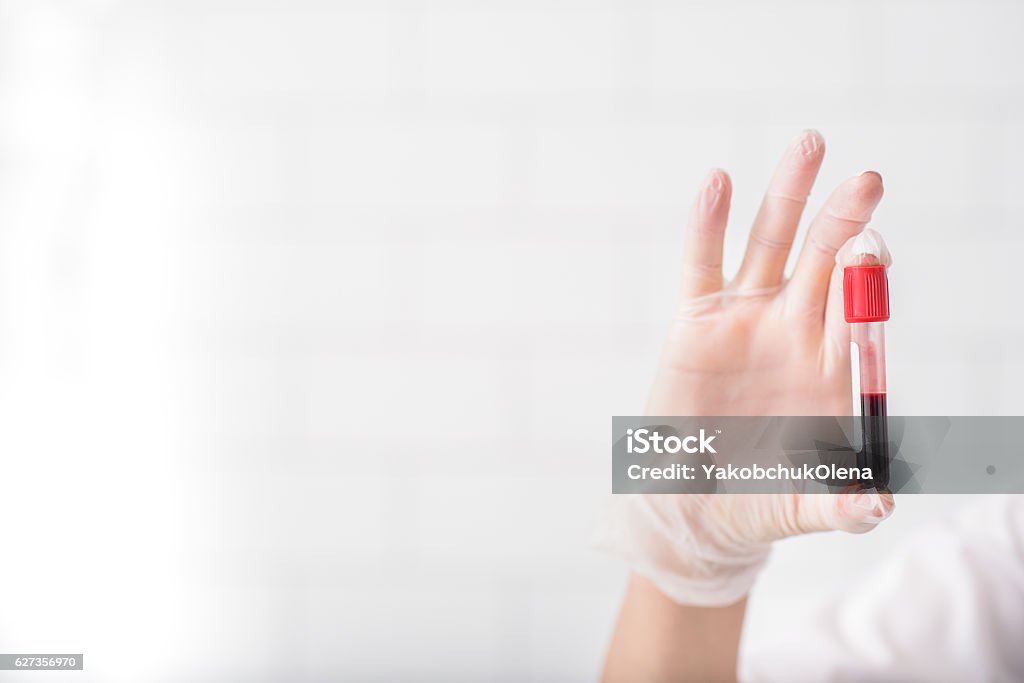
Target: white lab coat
column 949, row 606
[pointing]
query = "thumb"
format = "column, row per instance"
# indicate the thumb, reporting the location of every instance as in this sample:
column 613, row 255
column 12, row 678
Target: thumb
column 855, row 512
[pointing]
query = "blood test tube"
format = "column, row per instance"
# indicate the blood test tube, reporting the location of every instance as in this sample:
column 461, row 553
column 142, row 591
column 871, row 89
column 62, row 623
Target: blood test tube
column 866, row 299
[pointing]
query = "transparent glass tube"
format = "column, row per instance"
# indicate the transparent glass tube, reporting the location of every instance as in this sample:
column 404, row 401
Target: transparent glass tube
column 869, row 341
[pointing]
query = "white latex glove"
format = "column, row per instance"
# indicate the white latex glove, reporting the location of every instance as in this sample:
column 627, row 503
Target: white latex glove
column 755, row 346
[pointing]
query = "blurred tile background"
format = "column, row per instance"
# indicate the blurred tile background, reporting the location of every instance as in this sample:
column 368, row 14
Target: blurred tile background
column 313, row 314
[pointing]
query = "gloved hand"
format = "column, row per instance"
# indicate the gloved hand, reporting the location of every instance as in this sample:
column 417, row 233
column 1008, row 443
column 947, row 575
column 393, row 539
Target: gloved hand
column 758, row 345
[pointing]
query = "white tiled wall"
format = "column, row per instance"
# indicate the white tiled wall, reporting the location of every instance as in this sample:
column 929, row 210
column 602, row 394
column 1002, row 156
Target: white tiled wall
column 313, row 314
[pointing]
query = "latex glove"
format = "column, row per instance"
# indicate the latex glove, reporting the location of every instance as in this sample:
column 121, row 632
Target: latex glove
column 758, row 345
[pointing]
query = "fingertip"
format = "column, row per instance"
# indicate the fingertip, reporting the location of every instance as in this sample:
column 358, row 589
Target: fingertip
column 853, row 203
column 718, row 178
column 811, row 143
column 715, row 195
column 803, row 156
column 869, row 186
column 864, row 510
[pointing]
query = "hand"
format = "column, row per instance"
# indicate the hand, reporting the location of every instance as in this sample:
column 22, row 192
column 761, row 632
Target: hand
column 762, row 345
column 759, row 345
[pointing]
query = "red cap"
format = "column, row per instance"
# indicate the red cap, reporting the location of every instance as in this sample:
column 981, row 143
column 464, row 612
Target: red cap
column 866, row 294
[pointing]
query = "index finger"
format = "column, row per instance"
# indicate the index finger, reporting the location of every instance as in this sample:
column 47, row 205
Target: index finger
column 845, row 213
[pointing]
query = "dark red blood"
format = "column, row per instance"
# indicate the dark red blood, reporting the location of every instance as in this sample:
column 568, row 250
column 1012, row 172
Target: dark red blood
column 874, row 451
